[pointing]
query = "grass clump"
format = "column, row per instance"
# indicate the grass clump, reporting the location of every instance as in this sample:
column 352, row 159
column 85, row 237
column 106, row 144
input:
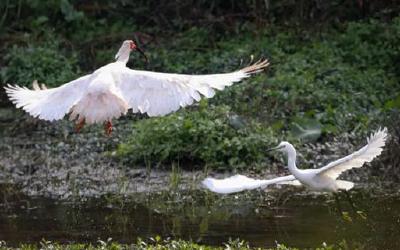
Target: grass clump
column 212, row 135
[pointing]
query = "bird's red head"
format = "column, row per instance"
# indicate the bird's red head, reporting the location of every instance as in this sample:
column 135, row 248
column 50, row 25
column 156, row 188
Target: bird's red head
column 132, row 45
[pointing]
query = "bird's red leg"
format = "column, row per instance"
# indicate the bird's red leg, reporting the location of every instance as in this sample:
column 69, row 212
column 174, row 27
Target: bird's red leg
column 79, row 125
column 108, row 128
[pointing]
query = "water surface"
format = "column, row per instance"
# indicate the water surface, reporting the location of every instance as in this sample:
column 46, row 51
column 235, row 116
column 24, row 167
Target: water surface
column 262, row 220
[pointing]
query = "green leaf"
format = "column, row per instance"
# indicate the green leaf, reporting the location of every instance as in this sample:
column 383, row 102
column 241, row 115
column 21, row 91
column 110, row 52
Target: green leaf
column 70, row 14
column 394, row 103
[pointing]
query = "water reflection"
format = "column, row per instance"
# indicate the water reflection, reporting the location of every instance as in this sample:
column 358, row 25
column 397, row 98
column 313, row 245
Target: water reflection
column 302, row 221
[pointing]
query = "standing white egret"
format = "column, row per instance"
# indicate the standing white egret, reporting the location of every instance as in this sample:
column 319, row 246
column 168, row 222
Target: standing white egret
column 323, row 179
column 111, row 90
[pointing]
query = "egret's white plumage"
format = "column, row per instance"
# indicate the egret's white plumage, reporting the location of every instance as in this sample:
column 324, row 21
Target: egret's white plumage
column 238, row 183
column 323, row 179
column 111, row 90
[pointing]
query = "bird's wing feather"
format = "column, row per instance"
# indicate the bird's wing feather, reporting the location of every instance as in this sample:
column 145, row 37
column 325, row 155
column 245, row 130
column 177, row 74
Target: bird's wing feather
column 290, row 182
column 48, row 104
column 238, row 183
column 358, row 158
column 158, row 94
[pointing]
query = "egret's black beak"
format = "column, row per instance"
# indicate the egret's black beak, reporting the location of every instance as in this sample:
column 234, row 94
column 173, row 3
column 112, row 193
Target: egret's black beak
column 143, row 54
column 273, row 149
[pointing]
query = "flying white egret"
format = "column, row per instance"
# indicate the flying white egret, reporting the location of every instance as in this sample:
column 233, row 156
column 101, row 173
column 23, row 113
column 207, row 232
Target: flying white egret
column 111, row 90
column 325, row 179
column 322, row 179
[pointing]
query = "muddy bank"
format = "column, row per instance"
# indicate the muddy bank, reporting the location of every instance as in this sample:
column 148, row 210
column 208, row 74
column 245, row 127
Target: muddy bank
column 52, row 160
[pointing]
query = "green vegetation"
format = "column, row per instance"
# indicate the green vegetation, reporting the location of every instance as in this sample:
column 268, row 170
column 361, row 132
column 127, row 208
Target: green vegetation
column 43, row 62
column 211, row 135
column 318, row 86
column 158, row 244
column 334, row 69
column 339, row 76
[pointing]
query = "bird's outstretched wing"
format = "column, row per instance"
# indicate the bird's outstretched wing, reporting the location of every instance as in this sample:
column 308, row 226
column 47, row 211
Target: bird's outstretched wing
column 358, row 158
column 238, row 183
column 48, row 104
column 158, row 94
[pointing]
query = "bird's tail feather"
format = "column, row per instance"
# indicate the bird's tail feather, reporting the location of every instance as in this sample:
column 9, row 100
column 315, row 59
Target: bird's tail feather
column 99, row 107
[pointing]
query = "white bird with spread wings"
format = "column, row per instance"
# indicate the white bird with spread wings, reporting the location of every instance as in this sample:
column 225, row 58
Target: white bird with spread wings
column 113, row 89
column 321, row 179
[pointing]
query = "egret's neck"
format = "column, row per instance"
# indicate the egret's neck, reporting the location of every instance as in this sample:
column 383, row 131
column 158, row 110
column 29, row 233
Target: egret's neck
column 123, row 55
column 292, row 161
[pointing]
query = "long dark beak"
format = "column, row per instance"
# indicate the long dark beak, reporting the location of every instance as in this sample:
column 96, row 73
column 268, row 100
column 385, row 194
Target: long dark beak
column 273, row 149
column 143, row 54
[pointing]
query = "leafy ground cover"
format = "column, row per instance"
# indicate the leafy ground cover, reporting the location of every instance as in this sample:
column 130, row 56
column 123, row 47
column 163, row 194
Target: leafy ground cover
column 323, row 81
column 318, row 86
column 158, row 244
